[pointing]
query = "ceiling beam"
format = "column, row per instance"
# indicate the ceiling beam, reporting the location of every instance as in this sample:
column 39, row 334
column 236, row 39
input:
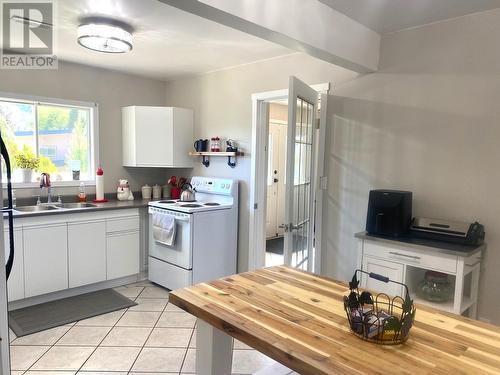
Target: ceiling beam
column 303, row 25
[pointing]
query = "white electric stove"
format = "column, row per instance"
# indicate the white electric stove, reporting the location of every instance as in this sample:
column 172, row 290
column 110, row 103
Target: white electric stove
column 205, row 245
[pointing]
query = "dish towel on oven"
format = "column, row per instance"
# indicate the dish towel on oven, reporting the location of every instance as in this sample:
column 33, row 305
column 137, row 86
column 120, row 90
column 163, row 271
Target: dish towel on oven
column 164, row 228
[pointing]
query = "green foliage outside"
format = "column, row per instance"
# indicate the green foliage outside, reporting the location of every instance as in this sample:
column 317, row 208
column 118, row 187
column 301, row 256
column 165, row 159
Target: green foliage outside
column 46, row 165
column 56, row 118
column 9, row 139
column 78, row 149
column 49, row 118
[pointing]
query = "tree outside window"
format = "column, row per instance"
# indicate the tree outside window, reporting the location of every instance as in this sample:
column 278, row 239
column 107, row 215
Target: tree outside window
column 58, row 136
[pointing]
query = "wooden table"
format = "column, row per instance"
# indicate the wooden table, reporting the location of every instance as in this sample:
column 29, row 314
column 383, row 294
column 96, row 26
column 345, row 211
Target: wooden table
column 298, row 319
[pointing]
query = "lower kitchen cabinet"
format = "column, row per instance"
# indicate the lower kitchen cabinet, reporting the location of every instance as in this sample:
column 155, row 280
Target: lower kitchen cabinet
column 392, row 270
column 45, row 259
column 86, row 252
column 15, row 284
column 55, row 253
column 123, row 254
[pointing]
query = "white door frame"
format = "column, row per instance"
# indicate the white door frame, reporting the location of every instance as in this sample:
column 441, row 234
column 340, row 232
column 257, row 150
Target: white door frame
column 258, row 191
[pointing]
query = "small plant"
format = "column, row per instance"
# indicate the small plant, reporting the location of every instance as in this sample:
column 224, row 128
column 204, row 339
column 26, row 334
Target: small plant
column 26, row 159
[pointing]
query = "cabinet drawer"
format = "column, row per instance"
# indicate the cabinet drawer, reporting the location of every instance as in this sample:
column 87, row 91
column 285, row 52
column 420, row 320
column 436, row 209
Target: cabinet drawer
column 126, row 224
column 419, row 258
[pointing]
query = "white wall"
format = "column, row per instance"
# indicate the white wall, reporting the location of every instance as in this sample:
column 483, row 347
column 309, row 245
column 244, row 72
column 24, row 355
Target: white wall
column 222, row 106
column 111, row 90
column 428, row 122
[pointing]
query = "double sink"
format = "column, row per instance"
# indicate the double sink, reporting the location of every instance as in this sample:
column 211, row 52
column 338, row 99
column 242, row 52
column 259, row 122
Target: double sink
column 55, row 207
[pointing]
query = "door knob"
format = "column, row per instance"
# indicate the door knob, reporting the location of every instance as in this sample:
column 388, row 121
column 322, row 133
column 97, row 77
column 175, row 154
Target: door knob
column 284, row 226
column 290, row 227
column 296, row 227
column 275, row 180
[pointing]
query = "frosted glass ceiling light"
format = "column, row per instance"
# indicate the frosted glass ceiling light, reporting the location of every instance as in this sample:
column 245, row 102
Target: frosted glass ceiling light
column 104, row 38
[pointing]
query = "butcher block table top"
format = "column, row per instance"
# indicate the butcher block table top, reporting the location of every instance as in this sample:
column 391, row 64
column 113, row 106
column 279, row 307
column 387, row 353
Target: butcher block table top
column 298, row 319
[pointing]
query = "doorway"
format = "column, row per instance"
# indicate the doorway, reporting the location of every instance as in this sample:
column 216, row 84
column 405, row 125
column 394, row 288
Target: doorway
column 287, row 159
column 276, row 171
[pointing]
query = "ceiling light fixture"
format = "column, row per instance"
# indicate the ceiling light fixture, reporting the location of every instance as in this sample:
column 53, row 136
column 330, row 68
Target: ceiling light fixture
column 105, row 37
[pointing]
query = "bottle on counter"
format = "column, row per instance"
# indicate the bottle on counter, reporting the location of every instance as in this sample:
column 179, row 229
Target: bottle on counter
column 82, row 196
column 99, row 186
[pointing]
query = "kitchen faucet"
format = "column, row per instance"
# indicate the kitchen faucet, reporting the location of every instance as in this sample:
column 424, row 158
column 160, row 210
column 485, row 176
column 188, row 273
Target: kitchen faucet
column 45, row 182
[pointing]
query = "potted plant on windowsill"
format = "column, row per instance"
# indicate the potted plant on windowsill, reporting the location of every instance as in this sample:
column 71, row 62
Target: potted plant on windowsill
column 27, row 162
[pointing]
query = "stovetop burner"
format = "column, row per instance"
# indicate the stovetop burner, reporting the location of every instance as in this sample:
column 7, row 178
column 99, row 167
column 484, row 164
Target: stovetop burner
column 167, row 202
column 191, row 205
column 212, row 204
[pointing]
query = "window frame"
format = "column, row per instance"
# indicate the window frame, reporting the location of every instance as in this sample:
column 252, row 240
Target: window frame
column 93, row 129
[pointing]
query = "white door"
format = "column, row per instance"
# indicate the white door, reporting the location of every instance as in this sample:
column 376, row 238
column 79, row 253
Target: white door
column 393, row 271
column 4, row 327
column 45, row 271
column 299, row 191
column 275, row 208
column 86, row 253
column 272, row 186
column 123, row 254
column 15, row 285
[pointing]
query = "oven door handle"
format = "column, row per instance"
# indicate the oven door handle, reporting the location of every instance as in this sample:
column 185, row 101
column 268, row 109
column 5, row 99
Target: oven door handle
column 185, row 219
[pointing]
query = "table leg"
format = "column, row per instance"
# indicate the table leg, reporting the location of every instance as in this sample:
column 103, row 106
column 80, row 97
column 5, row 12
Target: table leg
column 474, row 291
column 214, row 350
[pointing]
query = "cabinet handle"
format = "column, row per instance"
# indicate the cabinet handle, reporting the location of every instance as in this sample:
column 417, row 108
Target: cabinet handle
column 414, row 257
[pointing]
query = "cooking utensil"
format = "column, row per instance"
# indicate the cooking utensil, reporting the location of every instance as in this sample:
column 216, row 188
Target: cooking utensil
column 188, row 193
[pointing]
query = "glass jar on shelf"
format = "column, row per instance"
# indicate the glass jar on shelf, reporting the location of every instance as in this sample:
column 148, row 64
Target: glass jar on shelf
column 436, row 287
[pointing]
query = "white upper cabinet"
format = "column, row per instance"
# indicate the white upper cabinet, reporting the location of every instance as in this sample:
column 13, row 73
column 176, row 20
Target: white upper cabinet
column 157, row 137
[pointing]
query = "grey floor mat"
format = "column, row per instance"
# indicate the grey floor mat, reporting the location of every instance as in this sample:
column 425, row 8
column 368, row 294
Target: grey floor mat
column 47, row 315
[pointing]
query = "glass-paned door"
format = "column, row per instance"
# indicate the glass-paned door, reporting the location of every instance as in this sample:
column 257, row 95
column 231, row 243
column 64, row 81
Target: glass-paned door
column 299, row 192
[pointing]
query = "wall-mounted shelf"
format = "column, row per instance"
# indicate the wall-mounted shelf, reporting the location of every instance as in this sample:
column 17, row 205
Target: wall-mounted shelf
column 206, row 157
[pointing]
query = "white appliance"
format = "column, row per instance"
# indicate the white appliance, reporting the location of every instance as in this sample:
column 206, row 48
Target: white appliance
column 205, row 246
column 6, row 262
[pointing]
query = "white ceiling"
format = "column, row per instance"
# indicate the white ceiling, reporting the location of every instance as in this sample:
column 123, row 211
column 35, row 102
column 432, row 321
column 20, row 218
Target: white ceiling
column 168, row 42
column 385, row 16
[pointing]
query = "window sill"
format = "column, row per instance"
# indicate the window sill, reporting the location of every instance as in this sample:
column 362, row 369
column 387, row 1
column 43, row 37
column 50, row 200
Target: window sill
column 55, row 184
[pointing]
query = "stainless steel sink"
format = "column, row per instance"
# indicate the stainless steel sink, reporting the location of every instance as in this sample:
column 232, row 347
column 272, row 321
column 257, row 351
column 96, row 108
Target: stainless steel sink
column 38, row 208
column 77, row 205
column 53, row 207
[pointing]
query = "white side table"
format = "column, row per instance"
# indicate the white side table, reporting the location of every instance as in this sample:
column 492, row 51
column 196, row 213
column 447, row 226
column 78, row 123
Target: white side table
column 407, row 261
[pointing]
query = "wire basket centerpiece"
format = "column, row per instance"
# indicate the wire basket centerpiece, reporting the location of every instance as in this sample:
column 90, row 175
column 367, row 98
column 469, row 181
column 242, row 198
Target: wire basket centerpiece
column 381, row 320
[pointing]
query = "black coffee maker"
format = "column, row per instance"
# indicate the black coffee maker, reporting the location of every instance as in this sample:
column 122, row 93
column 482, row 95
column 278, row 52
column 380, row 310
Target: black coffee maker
column 389, row 213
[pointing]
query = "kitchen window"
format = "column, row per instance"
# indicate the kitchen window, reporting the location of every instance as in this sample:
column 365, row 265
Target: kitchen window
column 49, row 135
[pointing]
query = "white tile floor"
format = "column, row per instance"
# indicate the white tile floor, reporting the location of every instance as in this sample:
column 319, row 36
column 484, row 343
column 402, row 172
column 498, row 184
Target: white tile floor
column 154, row 337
